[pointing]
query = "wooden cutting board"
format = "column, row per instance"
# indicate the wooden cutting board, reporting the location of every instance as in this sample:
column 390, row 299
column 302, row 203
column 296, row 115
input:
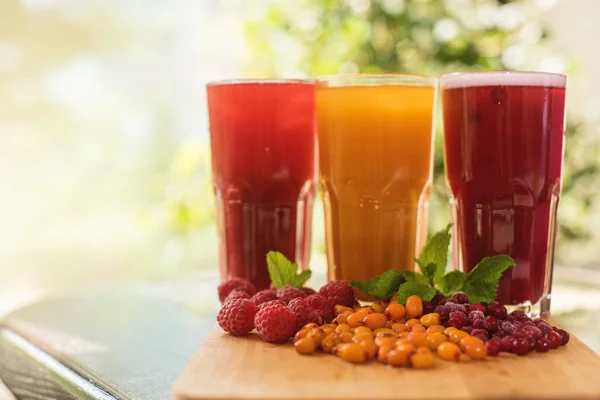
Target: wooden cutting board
column 231, row 368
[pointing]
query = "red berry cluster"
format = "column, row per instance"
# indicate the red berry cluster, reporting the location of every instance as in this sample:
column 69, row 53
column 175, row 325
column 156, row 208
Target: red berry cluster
column 514, row 333
column 278, row 314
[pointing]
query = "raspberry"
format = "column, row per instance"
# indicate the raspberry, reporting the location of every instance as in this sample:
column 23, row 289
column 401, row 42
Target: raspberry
column 275, row 324
column 478, row 323
column 428, row 307
column 459, row 298
column 321, row 306
column 237, row 316
column 499, row 334
column 338, row 292
column 533, row 331
column 437, row 298
column 480, row 333
column 518, row 314
column 236, row 294
column 544, row 327
column 457, row 319
column 477, row 307
column 508, row 327
column 308, row 291
column 490, row 323
column 467, row 329
column 235, row 283
column 506, row 343
column 497, row 310
column 287, row 293
column 304, row 314
column 443, row 311
column 473, row 315
column 456, row 307
column 263, row 296
column 272, row 303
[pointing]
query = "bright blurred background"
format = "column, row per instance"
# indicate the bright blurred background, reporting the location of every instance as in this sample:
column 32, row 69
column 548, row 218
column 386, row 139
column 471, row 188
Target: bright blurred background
column 104, row 161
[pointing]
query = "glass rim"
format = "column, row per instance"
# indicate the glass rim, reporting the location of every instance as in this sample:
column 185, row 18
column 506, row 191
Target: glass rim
column 502, row 78
column 348, row 80
column 268, row 81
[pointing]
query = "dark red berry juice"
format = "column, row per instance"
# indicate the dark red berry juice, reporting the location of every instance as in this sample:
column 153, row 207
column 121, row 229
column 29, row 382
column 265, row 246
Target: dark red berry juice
column 503, row 140
column 263, row 163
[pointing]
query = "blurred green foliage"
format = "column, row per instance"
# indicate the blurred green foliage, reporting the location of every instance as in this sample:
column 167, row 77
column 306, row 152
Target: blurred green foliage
column 430, row 37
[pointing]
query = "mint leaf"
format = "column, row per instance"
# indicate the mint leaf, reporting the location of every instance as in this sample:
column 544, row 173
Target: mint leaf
column 436, row 252
column 284, row 272
column 481, row 284
column 382, row 286
column 411, row 276
column 428, row 271
column 451, row 282
column 407, row 289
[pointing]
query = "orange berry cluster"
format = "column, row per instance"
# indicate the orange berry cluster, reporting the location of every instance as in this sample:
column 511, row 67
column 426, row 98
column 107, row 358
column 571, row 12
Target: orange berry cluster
column 395, row 334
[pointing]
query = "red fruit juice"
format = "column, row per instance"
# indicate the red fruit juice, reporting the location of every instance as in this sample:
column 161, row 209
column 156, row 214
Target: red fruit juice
column 263, row 161
column 503, row 136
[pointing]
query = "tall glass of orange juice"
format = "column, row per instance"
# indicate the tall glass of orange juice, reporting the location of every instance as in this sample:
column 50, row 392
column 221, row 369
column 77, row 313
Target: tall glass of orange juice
column 375, row 152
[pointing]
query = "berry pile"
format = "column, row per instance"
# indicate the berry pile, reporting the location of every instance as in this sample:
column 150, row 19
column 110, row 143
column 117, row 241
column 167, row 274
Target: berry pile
column 332, row 321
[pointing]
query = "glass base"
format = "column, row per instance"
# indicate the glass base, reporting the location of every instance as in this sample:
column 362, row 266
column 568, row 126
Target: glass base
column 539, row 309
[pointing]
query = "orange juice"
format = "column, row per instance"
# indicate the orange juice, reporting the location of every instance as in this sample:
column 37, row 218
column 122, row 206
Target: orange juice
column 376, row 145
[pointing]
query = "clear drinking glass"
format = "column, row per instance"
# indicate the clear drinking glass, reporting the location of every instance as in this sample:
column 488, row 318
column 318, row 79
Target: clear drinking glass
column 375, row 148
column 263, row 148
column 503, row 141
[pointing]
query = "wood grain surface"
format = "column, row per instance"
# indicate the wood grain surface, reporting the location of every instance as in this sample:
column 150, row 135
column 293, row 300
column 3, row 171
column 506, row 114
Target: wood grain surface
column 231, row 368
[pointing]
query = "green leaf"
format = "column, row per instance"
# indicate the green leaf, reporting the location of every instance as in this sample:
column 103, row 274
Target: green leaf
column 382, row 286
column 284, row 272
column 451, row 282
column 411, row 276
column 407, row 289
column 481, row 284
column 436, row 252
column 428, row 270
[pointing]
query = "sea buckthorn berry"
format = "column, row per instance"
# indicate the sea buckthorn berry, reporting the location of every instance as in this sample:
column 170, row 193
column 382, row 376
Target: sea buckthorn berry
column 329, row 342
column 395, row 311
column 422, row 360
column 317, row 334
column 338, row 309
column 430, row 319
column 411, row 322
column 377, row 307
column 369, row 347
column 418, row 338
column 305, row 345
column 389, row 324
column 366, row 310
column 389, row 339
column 414, row 306
column 362, row 329
column 310, row 326
column 436, row 339
column 449, row 329
column 300, row 334
column 398, row 327
column 422, row 349
column 351, row 352
column 403, row 335
column 383, row 352
column 456, row 336
column 343, row 328
column 328, row 331
column 356, row 319
column 434, row 329
column 418, row 328
column 448, row 351
column 381, row 331
column 375, row 321
column 476, row 351
column 469, row 340
column 359, row 337
column 342, row 318
column 398, row 358
column 346, row 337
column 394, row 299
column 325, row 326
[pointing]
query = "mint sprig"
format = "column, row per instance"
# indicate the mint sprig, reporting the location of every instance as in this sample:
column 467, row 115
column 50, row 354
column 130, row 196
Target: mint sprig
column 480, row 285
column 284, row 272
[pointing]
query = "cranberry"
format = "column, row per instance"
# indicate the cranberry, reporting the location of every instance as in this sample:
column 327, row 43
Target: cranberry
column 499, row 333
column 544, row 327
column 525, row 319
column 478, row 323
column 457, row 319
column 518, row 314
column 490, row 323
column 497, row 310
column 479, row 332
column 554, row 328
column 554, row 339
column 442, row 302
column 476, row 307
column 459, row 298
column 519, row 334
column 507, row 342
column 520, row 347
column 443, row 311
column 493, row 347
column 437, row 298
column 509, row 318
column 428, row 307
column 532, row 331
column 531, row 342
column 467, row 329
column 508, row 327
column 473, row 315
column 542, row 345
column 564, row 336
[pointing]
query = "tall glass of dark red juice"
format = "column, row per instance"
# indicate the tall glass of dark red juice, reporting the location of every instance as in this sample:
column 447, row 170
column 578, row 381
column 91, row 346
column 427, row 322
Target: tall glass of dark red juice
column 263, row 148
column 503, row 141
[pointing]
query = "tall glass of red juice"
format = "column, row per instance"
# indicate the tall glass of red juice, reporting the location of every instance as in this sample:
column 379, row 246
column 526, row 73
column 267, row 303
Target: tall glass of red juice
column 503, row 141
column 263, row 146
